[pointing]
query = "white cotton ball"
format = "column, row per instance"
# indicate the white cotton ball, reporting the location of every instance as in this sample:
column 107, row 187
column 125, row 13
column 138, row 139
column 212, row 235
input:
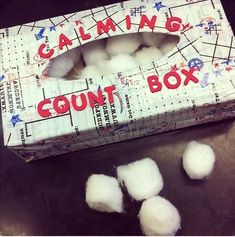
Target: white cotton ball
column 119, row 63
column 74, row 54
column 159, row 217
column 75, row 73
column 198, row 160
column 148, row 55
column 61, row 65
column 103, row 193
column 152, row 39
column 123, row 44
column 94, row 56
column 94, row 52
column 169, row 43
column 90, row 72
column 142, row 178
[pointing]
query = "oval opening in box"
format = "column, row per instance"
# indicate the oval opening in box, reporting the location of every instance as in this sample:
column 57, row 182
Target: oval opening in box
column 112, row 55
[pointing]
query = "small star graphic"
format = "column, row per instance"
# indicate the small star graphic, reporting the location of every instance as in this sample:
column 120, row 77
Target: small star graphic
column 52, row 28
column 158, row 5
column 174, row 68
column 2, row 77
column 77, row 22
column 218, row 73
column 200, row 25
column 227, row 62
column 15, row 119
column 40, row 35
column 229, row 69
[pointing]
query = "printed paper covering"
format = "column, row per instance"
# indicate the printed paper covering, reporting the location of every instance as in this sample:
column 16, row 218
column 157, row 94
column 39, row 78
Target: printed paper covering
column 192, row 84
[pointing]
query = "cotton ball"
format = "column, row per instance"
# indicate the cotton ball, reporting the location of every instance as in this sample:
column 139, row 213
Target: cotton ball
column 61, row 65
column 152, row 39
column 142, row 178
column 198, row 160
column 94, row 52
column 103, row 193
column 75, row 73
column 147, row 55
column 159, row 217
column 123, row 44
column 90, row 71
column 119, row 63
column 168, row 44
column 74, row 54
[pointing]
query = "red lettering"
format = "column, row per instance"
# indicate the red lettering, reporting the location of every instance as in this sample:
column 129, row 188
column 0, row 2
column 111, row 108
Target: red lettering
column 105, row 27
column 151, row 23
column 63, row 108
column 63, row 41
column 83, row 100
column 109, row 90
column 173, row 24
column 154, row 84
column 45, row 55
column 94, row 98
column 83, row 34
column 128, row 22
column 61, row 104
column 44, row 112
column 168, row 84
column 189, row 76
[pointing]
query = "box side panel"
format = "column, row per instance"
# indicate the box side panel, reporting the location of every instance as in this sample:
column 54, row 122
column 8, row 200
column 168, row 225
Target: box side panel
column 66, row 144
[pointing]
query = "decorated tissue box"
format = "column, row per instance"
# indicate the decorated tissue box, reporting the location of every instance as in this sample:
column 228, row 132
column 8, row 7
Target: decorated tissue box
column 192, row 84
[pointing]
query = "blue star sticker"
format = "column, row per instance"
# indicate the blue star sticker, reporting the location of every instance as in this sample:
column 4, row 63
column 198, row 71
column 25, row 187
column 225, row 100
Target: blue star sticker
column 52, row 28
column 40, row 35
column 2, row 77
column 200, row 25
column 15, row 119
column 227, row 62
column 158, row 5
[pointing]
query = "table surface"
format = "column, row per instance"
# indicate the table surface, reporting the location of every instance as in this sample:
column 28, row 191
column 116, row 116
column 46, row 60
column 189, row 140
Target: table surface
column 47, row 197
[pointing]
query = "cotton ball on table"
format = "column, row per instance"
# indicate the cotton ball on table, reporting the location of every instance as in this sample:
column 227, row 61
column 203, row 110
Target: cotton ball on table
column 159, row 217
column 168, row 44
column 152, row 39
column 147, row 55
column 119, row 63
column 198, row 160
column 104, row 194
column 142, row 178
column 94, row 52
column 123, row 44
column 61, row 65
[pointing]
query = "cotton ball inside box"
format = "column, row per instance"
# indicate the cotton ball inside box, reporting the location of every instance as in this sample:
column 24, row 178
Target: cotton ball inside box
column 148, row 55
column 168, row 44
column 94, row 52
column 118, row 63
column 61, row 65
column 123, row 44
column 104, row 194
column 159, row 217
column 75, row 73
column 142, row 178
column 152, row 39
column 90, row 71
column 198, row 160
